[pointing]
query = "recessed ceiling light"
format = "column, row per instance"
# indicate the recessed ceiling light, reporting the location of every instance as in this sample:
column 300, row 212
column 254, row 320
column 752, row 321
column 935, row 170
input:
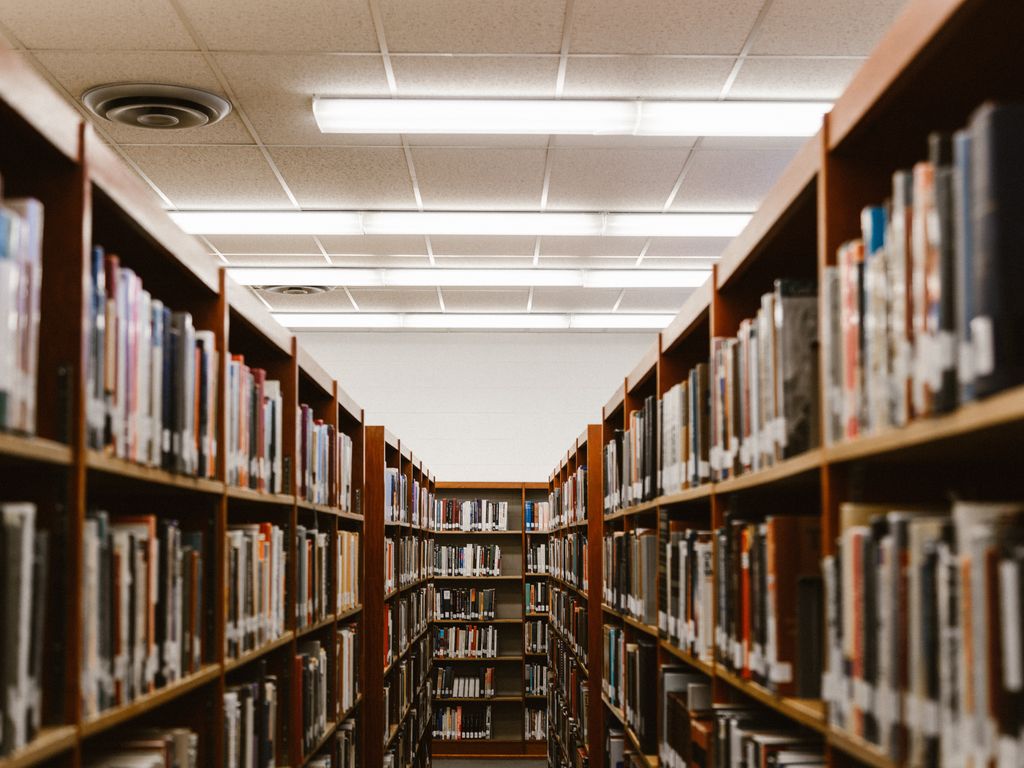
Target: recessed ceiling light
column 499, row 223
column 469, row 278
column 569, row 117
column 529, row 321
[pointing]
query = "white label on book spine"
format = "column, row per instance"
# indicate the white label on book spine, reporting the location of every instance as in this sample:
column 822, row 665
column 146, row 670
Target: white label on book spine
column 1013, row 673
column 983, row 341
column 1006, row 753
column 863, row 695
column 945, row 351
column 781, row 672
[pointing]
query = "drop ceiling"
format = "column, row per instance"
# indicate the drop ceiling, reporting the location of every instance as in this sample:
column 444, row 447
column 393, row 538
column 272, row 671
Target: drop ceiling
column 270, row 58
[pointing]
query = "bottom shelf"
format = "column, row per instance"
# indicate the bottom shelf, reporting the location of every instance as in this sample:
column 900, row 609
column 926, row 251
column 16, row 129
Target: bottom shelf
column 50, row 741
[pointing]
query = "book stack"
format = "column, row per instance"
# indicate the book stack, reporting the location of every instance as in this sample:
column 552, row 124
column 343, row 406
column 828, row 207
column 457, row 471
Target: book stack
column 21, row 275
column 630, row 460
column 685, row 434
column 769, row 616
column 536, row 636
column 537, row 558
column 410, row 567
column 325, row 462
column 764, row 383
column 251, row 722
column 347, row 546
column 569, row 501
column 256, row 586
column 472, row 641
column 536, row 679
column 569, row 559
column 254, row 450
column 309, row 709
column 535, row 598
column 923, row 626
column 686, row 588
column 535, row 726
column 396, row 496
column 685, row 698
column 479, row 685
column 311, row 599
column 152, row 377
column 459, row 722
column 537, row 515
column 154, row 748
column 472, row 515
column 24, row 574
column 920, row 311
column 348, row 667
column 143, row 607
column 569, row 616
column 467, row 560
column 464, row 604
column 743, row 735
column 345, row 745
column 630, row 573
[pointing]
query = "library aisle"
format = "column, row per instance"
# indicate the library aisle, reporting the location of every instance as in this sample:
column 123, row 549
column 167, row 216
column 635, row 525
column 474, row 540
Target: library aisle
column 594, row 385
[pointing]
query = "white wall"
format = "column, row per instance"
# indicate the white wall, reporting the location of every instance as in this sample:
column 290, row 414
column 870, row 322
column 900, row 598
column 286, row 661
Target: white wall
column 481, row 406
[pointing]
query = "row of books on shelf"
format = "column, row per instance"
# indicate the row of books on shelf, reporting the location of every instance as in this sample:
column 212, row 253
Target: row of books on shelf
column 255, row 423
column 536, row 597
column 535, row 636
column 537, row 557
column 406, row 618
column 256, row 574
column 569, row 500
column 628, row 671
column 536, row 682
column 251, row 712
column 310, row 706
column 920, row 311
column 21, row 275
column 686, row 594
column 473, row 641
column 24, row 575
column 348, row 547
column 407, row 559
column 535, row 724
column 464, row 603
column 396, row 496
column 343, row 752
column 312, row 600
column 569, row 558
column 407, row 699
column 152, row 378
column 161, row 747
column 469, row 515
column 630, row 465
column 630, row 573
column 924, row 615
column 325, row 462
column 569, row 616
column 143, row 607
column 567, row 708
column 537, row 516
column 684, row 421
column 455, row 683
column 348, row 650
column 466, row 560
column 463, row 721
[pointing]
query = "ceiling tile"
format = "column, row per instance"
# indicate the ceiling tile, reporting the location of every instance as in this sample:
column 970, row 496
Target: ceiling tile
column 506, row 77
column 484, row 262
column 613, row 180
column 480, row 179
column 678, row 263
column 574, row 299
column 275, row 260
column 686, row 247
column 592, row 246
column 584, row 262
column 384, row 245
column 276, row 92
column 473, row 26
column 623, row 142
column 359, row 178
column 211, row 177
column 485, row 299
column 477, row 141
column 723, row 180
column 138, row 25
column 329, row 301
column 791, row 78
column 790, row 143
column 662, row 26
column 78, row 71
column 396, row 299
column 372, row 261
column 474, row 245
column 825, row 27
column 254, row 244
column 298, row 25
column 645, row 77
column 654, row 299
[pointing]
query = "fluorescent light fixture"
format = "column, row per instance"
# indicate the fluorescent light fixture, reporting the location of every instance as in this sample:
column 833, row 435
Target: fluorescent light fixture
column 498, row 223
column 469, row 278
column 569, row 117
column 517, row 321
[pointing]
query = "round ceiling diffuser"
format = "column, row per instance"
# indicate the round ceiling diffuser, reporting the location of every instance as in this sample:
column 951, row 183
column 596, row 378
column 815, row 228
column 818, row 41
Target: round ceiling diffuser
column 296, row 290
column 151, row 105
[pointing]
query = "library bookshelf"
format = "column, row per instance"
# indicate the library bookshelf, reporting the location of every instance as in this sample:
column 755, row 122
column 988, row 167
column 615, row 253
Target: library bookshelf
column 880, row 124
column 511, row 701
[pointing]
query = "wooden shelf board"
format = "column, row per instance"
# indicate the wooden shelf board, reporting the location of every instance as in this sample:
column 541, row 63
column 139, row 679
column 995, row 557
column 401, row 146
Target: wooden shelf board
column 408, row 647
column 351, row 710
column 414, row 584
column 859, row 748
column 50, row 741
column 320, row 743
column 708, row 668
column 479, row 700
column 248, row 656
column 476, row 533
column 476, row 578
column 808, row 712
column 35, row 449
column 695, row 307
column 243, row 302
column 117, row 715
column 303, row 631
column 533, row 575
column 349, row 612
column 645, row 368
column 798, row 465
column 120, row 468
column 580, row 661
column 322, row 509
column 247, row 494
column 477, row 621
column 479, row 659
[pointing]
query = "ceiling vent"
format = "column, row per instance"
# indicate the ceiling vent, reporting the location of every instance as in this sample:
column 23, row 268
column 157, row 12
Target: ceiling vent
column 296, row 290
column 150, row 105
